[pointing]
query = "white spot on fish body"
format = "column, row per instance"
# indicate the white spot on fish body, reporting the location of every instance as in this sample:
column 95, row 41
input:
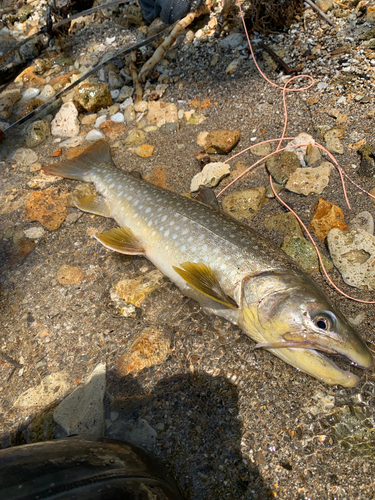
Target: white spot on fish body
column 190, row 239
column 164, row 218
column 174, row 236
column 148, row 210
column 183, row 248
column 166, row 232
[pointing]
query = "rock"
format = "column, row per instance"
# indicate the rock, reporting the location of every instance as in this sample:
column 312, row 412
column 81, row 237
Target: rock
column 139, row 433
column 89, row 119
column 285, row 224
column 342, row 119
column 261, row 149
column 222, row 141
column 144, row 151
column 30, row 79
column 324, row 5
column 304, row 253
column 300, row 151
column 282, row 165
column 112, row 110
column 35, row 233
column 94, row 135
column 132, row 292
column 195, row 119
column 37, row 132
column 232, row 66
column 101, row 119
column 335, row 146
column 30, row 93
column 20, row 250
column 48, row 207
column 244, row 205
column 47, row 92
column 309, row 180
column 111, row 129
column 35, row 167
column 158, row 176
column 65, row 123
column 60, row 82
column 114, row 94
column 367, row 167
column 125, row 93
column 160, row 113
column 353, row 253
column 141, row 106
column 129, row 114
column 29, row 107
column 8, row 99
column 210, row 176
column 92, row 96
column 365, row 221
column 135, row 138
column 82, row 412
column 313, row 155
column 232, row 41
column 202, row 138
column 41, row 65
column 41, row 181
column 151, row 347
column 114, row 81
column 72, row 142
column 326, row 216
column 23, row 157
column 118, row 118
column 68, row 275
column 52, row 387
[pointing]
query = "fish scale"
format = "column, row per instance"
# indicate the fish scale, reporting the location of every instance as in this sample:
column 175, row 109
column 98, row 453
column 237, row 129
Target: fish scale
column 231, row 269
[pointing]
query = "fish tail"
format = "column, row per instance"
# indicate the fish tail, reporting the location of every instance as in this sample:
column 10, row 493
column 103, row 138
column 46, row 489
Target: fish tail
column 79, row 168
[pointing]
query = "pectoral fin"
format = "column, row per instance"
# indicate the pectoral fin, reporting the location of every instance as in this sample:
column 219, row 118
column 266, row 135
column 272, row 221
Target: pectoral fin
column 93, row 204
column 203, row 279
column 121, row 239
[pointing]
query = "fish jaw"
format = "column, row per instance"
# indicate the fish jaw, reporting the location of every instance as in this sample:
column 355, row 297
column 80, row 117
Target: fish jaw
column 281, row 309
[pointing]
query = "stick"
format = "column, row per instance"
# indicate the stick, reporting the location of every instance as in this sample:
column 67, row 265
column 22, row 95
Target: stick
column 288, row 70
column 320, row 12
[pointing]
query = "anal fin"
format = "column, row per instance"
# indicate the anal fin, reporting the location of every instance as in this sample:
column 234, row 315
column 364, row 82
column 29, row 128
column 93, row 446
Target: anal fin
column 203, row 278
column 93, row 204
column 121, row 239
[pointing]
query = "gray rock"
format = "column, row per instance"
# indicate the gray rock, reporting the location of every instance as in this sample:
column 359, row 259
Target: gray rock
column 94, row 135
column 52, row 387
column 364, row 220
column 125, row 93
column 335, row 146
column 244, row 205
column 232, row 41
column 82, row 412
column 34, row 232
column 353, row 253
column 114, row 81
column 282, row 165
column 23, row 157
column 139, row 433
column 303, row 252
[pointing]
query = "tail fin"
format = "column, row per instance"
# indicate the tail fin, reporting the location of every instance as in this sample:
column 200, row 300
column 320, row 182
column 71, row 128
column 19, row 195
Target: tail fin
column 80, row 167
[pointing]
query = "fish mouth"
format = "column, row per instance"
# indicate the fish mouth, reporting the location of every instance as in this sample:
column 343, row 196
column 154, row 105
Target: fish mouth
column 312, row 355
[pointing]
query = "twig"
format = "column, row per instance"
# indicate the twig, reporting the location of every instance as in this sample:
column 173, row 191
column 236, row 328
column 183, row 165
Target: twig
column 86, row 75
column 134, row 75
column 10, row 360
column 287, row 69
column 320, row 12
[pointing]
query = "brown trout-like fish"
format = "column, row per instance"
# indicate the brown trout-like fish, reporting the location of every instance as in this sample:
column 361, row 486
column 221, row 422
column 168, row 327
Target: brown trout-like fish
column 229, row 268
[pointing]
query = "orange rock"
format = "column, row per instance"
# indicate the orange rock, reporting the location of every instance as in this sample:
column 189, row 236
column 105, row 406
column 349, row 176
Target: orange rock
column 144, row 151
column 30, row 79
column 48, row 207
column 68, row 275
column 21, row 250
column 59, row 82
column 326, row 216
column 73, row 152
column 222, row 141
column 151, row 347
column 205, row 104
column 57, row 152
column 112, row 129
column 158, row 177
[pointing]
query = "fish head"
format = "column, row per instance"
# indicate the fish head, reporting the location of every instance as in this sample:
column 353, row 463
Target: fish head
column 287, row 314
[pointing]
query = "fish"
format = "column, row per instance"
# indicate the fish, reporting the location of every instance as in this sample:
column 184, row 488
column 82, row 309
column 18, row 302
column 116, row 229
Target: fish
column 229, row 268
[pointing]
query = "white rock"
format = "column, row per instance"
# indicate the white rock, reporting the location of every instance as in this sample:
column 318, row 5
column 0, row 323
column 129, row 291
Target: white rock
column 309, row 180
column 232, row 67
column 364, row 221
column 353, row 253
column 30, row 93
column 52, row 387
column 118, row 118
column 301, row 150
column 141, row 106
column 101, row 119
column 115, row 93
column 82, row 412
column 126, row 103
column 94, row 135
column 210, row 176
column 65, row 123
column 110, row 40
column 42, row 180
column 322, row 85
column 47, row 93
column 34, row 232
column 72, row 142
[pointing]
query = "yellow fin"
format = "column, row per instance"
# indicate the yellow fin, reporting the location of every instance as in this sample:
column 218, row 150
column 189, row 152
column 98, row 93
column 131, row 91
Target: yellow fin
column 203, row 279
column 121, row 239
column 93, row 204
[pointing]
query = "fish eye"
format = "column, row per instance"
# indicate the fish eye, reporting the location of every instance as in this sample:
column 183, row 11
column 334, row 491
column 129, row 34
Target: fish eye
column 324, row 322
